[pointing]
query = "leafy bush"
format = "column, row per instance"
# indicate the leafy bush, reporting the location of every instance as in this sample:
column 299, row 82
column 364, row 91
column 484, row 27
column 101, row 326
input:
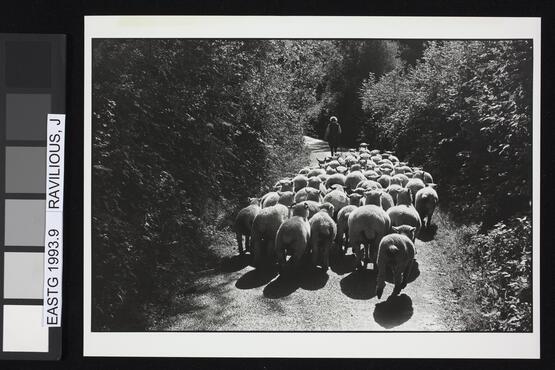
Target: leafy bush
column 502, row 276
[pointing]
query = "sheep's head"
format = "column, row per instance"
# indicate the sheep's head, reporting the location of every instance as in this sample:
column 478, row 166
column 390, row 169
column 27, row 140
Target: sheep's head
column 286, row 185
column 254, row 201
column 354, row 198
column 373, row 197
column 337, row 187
column 406, row 230
column 327, row 207
column 299, row 209
column 404, row 196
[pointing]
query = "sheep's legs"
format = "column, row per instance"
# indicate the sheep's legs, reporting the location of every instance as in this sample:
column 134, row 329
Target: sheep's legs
column 380, row 280
column 240, row 242
column 397, row 273
column 248, row 247
column 256, row 251
column 407, row 273
column 326, row 257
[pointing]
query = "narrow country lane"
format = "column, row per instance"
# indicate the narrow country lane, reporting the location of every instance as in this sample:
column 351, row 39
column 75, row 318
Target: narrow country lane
column 237, row 297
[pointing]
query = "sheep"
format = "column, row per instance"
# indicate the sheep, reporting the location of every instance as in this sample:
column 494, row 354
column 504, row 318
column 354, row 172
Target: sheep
column 330, row 170
column 342, row 169
column 353, row 178
column 307, row 194
column 371, row 175
column 403, row 179
column 338, row 199
column 367, row 225
column 299, row 182
column 269, row 199
column 264, row 230
column 393, row 190
column 355, row 167
column 426, row 177
column 368, row 185
column 286, row 198
column 314, row 182
column 414, row 185
column 378, row 198
column 337, row 178
column 334, row 164
column 315, row 172
column 286, row 185
column 342, row 221
column 404, row 212
column 323, row 177
column 384, row 180
column 243, row 224
column 426, row 202
column 323, row 231
column 292, row 238
column 304, row 170
column 394, row 180
column 313, row 207
column 396, row 252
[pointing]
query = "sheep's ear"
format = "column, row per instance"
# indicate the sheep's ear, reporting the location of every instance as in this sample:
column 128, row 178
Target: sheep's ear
column 432, row 185
column 395, row 228
column 305, row 205
column 412, row 228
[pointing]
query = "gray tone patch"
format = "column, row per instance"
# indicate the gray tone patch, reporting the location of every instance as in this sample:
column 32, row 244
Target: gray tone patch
column 23, row 275
column 25, row 169
column 26, row 116
column 24, row 222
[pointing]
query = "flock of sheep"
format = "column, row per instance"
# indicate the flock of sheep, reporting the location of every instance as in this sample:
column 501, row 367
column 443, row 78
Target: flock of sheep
column 359, row 198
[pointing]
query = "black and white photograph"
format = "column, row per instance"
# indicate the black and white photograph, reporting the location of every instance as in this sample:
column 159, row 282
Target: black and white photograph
column 311, row 184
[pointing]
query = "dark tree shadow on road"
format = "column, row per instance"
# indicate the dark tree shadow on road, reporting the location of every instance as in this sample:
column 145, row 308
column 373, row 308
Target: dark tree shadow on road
column 314, row 279
column 427, row 234
column 342, row 264
column 281, row 287
column 256, row 278
column 393, row 312
column 415, row 273
column 360, row 284
column 235, row 263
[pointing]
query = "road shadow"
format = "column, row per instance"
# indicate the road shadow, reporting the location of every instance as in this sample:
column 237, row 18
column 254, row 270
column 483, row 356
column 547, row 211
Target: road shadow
column 393, row 312
column 342, row 264
column 415, row 273
column 360, row 284
column 256, row 278
column 281, row 287
column 427, row 234
column 314, row 279
column 235, row 263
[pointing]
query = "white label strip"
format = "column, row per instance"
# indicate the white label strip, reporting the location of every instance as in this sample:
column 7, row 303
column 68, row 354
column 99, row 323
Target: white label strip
column 53, row 240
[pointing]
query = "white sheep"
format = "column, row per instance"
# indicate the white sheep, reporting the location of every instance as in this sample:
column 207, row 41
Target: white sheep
column 307, row 194
column 286, row 185
column 264, row 230
column 353, row 178
column 368, row 185
column 384, row 181
column 426, row 177
column 404, row 212
column 286, row 198
column 367, row 226
column 378, row 198
column 315, row 172
column 396, row 253
column 403, row 179
column 299, row 182
column 292, row 238
column 323, row 231
column 269, row 199
column 342, row 221
column 426, row 203
column 336, row 178
column 338, row 199
column 414, row 185
column 393, row 190
column 243, row 224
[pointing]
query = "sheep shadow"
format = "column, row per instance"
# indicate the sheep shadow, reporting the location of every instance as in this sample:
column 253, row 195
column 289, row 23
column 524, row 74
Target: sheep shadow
column 314, row 279
column 256, row 278
column 235, row 263
column 393, row 312
column 415, row 273
column 427, row 234
column 281, row 287
column 342, row 264
column 360, row 284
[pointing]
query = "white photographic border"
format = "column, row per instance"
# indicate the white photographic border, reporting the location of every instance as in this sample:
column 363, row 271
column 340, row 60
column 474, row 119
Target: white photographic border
column 312, row 344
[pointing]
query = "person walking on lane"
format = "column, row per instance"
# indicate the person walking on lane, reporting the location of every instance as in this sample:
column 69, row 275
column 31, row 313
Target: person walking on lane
column 333, row 131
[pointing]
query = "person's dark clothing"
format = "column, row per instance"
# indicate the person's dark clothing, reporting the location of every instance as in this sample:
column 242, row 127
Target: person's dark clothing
column 332, row 136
